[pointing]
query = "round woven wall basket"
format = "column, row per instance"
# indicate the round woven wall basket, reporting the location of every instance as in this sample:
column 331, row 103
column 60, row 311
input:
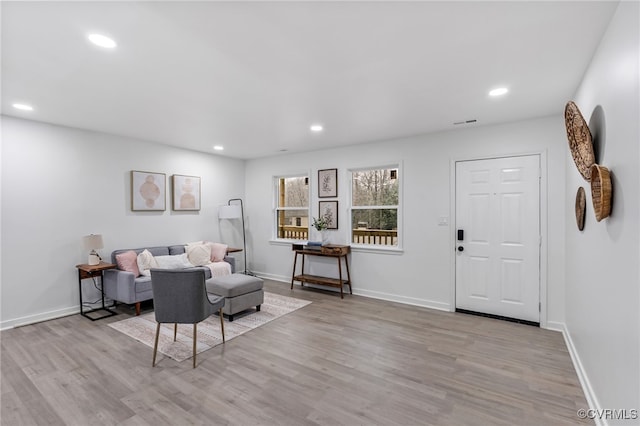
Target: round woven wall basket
column 601, row 191
column 581, row 208
column 580, row 141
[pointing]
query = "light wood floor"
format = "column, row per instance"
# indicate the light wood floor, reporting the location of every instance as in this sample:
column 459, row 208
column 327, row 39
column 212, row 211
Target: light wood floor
column 355, row 361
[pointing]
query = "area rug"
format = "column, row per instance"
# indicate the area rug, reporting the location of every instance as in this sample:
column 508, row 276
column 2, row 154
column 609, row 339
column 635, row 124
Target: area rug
column 143, row 327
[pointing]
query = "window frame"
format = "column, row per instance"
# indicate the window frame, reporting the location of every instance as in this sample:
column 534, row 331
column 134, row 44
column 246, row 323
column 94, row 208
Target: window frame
column 276, row 205
column 377, row 248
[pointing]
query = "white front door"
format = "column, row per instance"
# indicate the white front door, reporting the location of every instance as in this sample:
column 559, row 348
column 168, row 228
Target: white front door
column 498, row 236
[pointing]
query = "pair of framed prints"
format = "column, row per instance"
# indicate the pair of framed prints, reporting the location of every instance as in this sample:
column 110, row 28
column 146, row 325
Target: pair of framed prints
column 148, row 192
column 328, row 188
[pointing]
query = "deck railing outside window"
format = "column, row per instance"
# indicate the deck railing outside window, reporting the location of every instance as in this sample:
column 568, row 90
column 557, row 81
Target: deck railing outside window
column 359, row 236
column 375, row 236
column 293, row 232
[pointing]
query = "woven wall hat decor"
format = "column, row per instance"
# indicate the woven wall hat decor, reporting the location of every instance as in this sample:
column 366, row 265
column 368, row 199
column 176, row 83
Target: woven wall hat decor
column 581, row 207
column 580, row 140
column 601, row 191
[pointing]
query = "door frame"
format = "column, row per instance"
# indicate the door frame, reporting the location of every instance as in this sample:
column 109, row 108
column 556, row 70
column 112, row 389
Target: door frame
column 543, row 225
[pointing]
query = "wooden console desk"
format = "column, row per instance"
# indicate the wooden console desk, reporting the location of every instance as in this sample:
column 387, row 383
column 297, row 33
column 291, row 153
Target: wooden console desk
column 330, row 250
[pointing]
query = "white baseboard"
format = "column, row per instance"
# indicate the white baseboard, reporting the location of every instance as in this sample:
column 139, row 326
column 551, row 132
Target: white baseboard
column 589, row 393
column 554, row 326
column 402, row 299
column 45, row 316
column 272, row 277
column 368, row 293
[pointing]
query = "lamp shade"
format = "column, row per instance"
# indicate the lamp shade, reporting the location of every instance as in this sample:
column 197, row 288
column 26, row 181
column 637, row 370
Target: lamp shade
column 230, row 212
column 93, row 242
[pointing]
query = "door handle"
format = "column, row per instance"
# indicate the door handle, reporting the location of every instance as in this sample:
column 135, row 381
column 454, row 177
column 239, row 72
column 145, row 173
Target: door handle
column 460, row 248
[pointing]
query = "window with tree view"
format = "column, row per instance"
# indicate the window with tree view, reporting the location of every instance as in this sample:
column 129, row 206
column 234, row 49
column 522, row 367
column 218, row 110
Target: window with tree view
column 374, row 206
column 292, row 211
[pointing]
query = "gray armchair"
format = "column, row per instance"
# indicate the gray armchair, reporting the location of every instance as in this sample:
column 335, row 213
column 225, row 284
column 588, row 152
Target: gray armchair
column 180, row 297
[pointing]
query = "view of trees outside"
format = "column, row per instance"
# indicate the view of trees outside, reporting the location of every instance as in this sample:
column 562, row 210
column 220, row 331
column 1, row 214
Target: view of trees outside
column 296, row 192
column 293, row 207
column 374, row 207
column 375, row 188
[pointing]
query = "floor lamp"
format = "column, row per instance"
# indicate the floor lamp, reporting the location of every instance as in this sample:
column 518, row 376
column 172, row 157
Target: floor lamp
column 236, row 211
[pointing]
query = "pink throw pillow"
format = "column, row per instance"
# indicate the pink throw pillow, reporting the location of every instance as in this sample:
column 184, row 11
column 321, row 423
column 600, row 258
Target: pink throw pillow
column 218, row 251
column 128, row 261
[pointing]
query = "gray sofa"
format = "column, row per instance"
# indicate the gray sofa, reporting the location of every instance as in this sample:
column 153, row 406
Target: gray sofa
column 122, row 286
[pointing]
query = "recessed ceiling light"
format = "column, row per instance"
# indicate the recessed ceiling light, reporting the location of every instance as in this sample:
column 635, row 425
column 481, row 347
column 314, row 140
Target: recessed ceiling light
column 316, row 128
column 499, row 91
column 102, row 41
column 218, row 148
column 23, row 107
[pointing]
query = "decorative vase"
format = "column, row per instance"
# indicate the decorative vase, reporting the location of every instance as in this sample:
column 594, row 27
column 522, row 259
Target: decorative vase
column 325, row 237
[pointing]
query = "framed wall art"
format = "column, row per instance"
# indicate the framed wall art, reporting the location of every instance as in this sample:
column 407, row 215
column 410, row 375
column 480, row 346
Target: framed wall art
column 327, row 183
column 329, row 210
column 186, row 192
column 148, row 191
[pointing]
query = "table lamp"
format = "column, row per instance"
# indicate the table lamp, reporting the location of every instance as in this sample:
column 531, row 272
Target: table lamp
column 93, row 242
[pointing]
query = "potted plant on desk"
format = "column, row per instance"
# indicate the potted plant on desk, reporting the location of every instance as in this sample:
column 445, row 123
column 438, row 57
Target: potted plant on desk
column 321, row 224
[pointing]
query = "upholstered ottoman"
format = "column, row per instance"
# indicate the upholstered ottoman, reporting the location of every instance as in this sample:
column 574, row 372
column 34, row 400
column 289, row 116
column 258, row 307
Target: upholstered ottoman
column 241, row 291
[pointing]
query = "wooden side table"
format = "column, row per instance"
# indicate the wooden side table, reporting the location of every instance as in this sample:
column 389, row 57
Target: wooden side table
column 331, row 250
column 93, row 271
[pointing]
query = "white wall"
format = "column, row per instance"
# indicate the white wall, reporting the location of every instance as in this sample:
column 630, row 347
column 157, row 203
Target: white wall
column 602, row 296
column 422, row 274
column 59, row 184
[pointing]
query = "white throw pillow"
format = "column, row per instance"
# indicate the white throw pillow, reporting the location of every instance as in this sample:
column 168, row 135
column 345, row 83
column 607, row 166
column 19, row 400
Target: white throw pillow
column 146, row 261
column 199, row 254
column 179, row 261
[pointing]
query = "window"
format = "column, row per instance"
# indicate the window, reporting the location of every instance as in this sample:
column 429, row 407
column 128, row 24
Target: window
column 292, row 211
column 374, row 206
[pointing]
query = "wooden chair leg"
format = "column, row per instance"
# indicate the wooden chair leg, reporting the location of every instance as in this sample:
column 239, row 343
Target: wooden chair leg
column 138, row 309
column 195, row 332
column 155, row 345
column 175, row 331
column 222, row 324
